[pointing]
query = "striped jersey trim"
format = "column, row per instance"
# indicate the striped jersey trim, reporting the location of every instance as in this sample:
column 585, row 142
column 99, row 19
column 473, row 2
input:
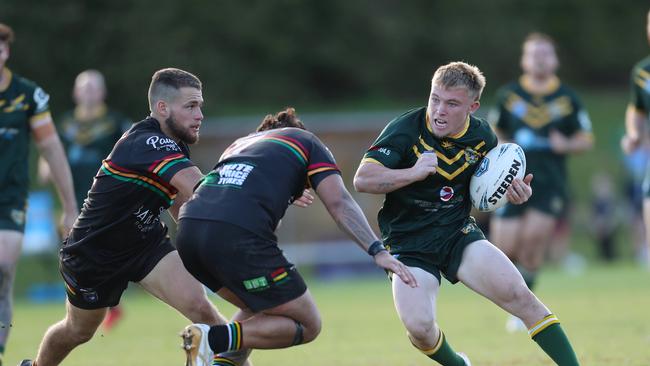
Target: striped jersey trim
column 542, row 324
column 293, row 145
column 165, row 191
column 160, row 166
column 320, row 167
column 372, row 161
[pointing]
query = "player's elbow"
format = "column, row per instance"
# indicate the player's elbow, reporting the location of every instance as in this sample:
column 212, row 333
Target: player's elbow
column 362, row 182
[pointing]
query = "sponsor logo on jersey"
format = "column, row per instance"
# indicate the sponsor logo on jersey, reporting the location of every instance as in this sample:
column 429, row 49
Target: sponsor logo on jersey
column 384, row 151
column 471, row 156
column 446, row 193
column 41, row 98
column 163, row 143
column 234, row 174
column 146, row 219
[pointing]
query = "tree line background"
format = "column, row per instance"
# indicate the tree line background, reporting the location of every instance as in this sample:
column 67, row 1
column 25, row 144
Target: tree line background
column 254, row 54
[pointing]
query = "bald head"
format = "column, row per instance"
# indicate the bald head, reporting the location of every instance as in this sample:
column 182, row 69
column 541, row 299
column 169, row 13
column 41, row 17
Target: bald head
column 89, row 88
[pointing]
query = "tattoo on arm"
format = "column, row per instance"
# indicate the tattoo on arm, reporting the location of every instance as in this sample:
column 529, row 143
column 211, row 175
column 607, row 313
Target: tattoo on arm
column 352, row 220
column 385, row 185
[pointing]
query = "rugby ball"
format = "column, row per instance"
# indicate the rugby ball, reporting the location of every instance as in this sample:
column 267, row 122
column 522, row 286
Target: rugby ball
column 495, row 173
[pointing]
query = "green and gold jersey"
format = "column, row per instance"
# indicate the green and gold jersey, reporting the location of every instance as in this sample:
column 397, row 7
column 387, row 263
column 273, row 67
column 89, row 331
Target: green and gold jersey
column 526, row 119
column 88, row 140
column 415, row 211
column 22, row 105
column 640, row 86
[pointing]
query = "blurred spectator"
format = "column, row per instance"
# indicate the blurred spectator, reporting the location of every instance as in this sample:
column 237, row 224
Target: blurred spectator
column 605, row 220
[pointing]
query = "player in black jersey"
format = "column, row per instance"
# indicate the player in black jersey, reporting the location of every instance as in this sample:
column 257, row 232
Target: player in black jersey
column 24, row 116
column 637, row 119
column 226, row 238
column 423, row 162
column 118, row 237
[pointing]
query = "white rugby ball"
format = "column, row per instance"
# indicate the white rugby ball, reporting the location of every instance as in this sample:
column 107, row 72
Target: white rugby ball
column 495, row 173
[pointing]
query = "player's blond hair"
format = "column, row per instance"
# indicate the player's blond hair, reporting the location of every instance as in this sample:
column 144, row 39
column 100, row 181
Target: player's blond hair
column 460, row 74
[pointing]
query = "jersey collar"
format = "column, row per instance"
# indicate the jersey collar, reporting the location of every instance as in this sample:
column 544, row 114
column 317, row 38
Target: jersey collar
column 551, row 86
column 6, row 79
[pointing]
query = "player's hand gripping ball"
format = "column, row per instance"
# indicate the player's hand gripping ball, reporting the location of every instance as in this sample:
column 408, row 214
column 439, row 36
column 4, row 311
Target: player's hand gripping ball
column 497, row 170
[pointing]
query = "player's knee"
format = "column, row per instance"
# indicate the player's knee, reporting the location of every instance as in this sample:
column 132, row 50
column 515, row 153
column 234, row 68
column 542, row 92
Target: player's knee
column 420, row 328
column 311, row 329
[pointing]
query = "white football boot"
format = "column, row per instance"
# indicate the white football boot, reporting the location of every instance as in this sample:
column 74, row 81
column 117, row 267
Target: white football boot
column 196, row 345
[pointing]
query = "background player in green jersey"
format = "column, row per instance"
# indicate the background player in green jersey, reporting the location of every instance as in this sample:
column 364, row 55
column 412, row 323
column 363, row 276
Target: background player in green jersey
column 88, row 133
column 637, row 118
column 24, row 112
column 547, row 120
column 423, row 162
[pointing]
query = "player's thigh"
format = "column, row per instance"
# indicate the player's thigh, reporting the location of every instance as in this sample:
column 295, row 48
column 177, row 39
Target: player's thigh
column 487, row 271
column 416, row 305
column 172, row 283
column 505, row 233
column 82, row 322
column 11, row 243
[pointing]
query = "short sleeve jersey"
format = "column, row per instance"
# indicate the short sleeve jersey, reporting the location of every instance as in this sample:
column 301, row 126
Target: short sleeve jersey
column 640, row 86
column 258, row 177
column 22, row 104
column 87, row 143
column 526, row 119
column 419, row 208
column 121, row 215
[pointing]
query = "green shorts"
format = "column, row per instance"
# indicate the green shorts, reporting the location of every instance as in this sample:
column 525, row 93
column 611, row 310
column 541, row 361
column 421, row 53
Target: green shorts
column 440, row 250
column 549, row 201
column 12, row 217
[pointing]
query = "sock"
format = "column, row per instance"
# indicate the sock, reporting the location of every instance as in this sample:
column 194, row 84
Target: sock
column 223, row 338
column 222, row 361
column 551, row 338
column 529, row 276
column 443, row 353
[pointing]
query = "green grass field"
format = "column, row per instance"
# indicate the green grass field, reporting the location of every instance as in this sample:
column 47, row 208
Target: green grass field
column 604, row 310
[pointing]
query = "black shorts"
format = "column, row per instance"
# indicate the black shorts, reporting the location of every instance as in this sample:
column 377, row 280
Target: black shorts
column 12, row 217
column 220, row 254
column 90, row 285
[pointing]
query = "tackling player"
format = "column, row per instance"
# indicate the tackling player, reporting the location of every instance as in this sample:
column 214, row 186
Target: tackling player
column 226, row 238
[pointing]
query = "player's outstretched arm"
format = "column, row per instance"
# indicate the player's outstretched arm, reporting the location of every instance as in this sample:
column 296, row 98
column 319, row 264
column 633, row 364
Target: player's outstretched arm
column 375, row 178
column 50, row 148
column 184, row 180
column 349, row 217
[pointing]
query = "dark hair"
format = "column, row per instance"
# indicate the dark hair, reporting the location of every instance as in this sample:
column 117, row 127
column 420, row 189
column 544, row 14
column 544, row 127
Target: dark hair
column 165, row 84
column 285, row 118
column 6, row 33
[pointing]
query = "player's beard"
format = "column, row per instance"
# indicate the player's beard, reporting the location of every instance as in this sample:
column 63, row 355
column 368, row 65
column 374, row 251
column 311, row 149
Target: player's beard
column 184, row 135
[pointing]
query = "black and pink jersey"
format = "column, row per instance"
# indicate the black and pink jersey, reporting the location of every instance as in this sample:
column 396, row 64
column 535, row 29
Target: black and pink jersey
column 121, row 215
column 258, row 177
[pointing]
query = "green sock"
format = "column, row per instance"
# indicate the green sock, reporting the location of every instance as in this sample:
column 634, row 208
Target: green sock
column 529, row 276
column 551, row 338
column 443, row 353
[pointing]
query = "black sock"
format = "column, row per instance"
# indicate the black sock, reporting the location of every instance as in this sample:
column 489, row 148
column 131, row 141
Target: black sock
column 223, row 338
